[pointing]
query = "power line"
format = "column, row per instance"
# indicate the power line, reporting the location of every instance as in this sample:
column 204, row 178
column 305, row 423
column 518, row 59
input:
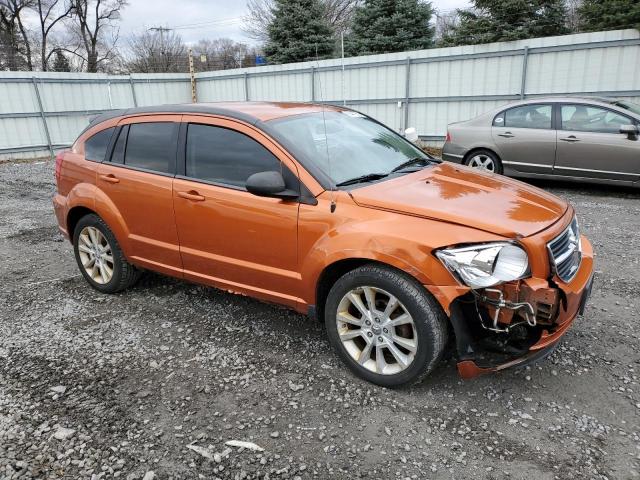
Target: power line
column 220, row 22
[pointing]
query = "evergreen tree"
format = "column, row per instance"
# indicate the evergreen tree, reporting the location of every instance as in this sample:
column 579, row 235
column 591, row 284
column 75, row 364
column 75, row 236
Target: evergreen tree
column 609, row 14
column 383, row 26
column 60, row 62
column 503, row 20
column 298, row 32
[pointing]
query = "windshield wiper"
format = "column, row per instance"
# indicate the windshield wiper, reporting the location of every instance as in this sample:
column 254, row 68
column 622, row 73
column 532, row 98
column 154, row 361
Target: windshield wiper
column 362, row 179
column 409, row 163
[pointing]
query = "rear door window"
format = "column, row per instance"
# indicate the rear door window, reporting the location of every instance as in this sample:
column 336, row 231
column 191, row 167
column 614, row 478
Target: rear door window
column 95, row 147
column 224, row 156
column 151, row 146
column 526, row 116
column 585, row 118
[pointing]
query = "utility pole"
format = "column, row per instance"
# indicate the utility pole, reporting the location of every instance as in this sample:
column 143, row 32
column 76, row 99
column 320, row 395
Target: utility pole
column 192, row 73
column 161, row 31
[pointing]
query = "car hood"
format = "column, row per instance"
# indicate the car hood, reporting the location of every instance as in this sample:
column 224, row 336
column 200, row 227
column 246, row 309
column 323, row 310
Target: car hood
column 461, row 195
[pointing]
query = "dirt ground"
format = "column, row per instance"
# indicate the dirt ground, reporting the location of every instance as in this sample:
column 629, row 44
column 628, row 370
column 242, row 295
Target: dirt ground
column 152, row 382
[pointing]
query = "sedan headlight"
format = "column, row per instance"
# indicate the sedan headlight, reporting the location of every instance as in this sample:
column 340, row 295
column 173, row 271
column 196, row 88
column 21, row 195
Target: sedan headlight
column 481, row 266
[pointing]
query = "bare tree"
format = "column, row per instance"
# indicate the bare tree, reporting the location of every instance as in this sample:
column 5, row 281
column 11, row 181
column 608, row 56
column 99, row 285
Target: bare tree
column 337, row 12
column 50, row 13
column 573, row 17
column 153, row 52
column 15, row 42
column 94, row 19
column 446, row 23
column 222, row 54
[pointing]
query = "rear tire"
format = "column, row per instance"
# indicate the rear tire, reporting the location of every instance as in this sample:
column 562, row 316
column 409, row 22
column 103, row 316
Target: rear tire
column 484, row 160
column 100, row 258
column 397, row 341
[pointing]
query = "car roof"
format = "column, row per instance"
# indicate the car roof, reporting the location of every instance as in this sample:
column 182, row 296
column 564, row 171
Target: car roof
column 565, row 99
column 609, row 102
column 251, row 112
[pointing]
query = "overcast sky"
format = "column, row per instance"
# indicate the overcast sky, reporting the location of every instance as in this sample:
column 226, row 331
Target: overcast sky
column 196, row 19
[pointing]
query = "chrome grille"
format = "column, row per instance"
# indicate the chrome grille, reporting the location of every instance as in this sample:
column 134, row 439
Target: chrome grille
column 566, row 252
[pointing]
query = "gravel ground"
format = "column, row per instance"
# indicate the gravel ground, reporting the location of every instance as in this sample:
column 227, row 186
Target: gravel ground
column 152, row 382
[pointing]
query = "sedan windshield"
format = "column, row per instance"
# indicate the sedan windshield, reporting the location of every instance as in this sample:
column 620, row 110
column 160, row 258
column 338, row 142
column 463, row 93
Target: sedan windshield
column 349, row 147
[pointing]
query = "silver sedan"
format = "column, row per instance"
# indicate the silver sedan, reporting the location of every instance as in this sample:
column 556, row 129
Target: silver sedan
column 583, row 139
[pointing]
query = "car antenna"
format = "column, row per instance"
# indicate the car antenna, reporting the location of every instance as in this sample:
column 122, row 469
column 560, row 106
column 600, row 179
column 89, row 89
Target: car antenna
column 326, row 141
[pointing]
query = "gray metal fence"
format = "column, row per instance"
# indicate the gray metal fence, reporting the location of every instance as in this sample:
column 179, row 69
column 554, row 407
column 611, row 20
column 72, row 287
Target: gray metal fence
column 40, row 112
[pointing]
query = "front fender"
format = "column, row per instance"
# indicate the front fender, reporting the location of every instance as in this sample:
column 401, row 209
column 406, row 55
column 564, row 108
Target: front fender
column 357, row 243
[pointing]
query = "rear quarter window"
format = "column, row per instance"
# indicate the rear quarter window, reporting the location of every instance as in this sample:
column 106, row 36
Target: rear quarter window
column 95, row 147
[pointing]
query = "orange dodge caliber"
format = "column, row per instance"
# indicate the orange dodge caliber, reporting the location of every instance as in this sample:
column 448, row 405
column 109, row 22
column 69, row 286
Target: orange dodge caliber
column 330, row 213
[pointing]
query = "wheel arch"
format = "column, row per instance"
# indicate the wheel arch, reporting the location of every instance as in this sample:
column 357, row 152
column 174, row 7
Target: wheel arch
column 332, row 272
column 74, row 216
column 480, row 149
column 87, row 199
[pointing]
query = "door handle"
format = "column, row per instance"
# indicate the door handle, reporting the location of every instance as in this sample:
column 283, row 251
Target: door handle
column 191, row 195
column 506, row 135
column 570, row 139
column 110, row 178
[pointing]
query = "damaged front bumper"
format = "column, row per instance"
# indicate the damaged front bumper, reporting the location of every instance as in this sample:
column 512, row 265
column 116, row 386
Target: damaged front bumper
column 517, row 323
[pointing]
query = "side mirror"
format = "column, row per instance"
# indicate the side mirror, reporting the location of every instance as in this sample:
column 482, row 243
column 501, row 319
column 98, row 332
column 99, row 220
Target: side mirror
column 411, row 134
column 269, row 184
column 631, row 131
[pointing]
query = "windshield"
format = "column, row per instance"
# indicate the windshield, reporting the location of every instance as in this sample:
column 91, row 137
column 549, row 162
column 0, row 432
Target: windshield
column 632, row 107
column 354, row 145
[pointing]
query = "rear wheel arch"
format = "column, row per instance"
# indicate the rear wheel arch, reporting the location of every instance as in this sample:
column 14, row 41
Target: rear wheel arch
column 74, row 216
column 491, row 151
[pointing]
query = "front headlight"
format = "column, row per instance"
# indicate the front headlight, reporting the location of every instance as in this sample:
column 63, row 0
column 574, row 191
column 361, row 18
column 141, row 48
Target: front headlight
column 481, row 266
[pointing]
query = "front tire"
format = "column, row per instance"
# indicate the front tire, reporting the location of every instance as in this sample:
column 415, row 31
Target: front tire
column 484, row 160
column 385, row 326
column 100, row 258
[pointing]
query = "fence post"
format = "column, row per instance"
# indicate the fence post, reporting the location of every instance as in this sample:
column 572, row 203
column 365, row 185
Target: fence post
column 43, row 117
column 525, row 61
column 133, row 91
column 407, row 86
column 246, row 86
column 313, row 84
column 109, row 93
column 192, row 75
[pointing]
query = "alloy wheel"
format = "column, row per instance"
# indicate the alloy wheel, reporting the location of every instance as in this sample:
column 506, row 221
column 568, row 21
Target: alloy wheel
column 96, row 255
column 483, row 162
column 377, row 330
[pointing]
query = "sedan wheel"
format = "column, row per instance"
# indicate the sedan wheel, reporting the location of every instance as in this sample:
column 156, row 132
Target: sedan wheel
column 377, row 331
column 483, row 162
column 96, row 255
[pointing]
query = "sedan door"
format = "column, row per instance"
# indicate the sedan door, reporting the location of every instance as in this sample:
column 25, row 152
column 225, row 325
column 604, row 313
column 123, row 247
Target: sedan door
column 525, row 138
column 229, row 237
column 590, row 144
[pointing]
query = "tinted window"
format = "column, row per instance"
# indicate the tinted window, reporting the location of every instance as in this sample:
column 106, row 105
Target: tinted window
column 118, row 150
column 527, row 116
column 225, row 156
column 151, row 146
column 95, row 147
column 583, row 118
